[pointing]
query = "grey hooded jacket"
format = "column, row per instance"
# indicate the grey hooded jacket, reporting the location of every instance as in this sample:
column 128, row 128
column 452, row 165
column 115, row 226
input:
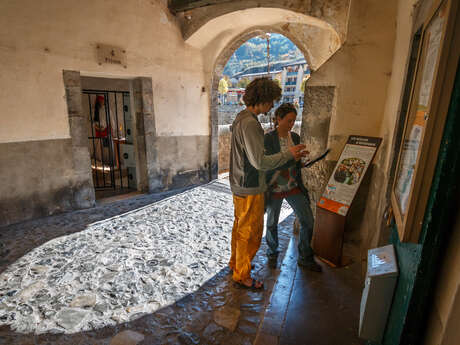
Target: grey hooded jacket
column 248, row 161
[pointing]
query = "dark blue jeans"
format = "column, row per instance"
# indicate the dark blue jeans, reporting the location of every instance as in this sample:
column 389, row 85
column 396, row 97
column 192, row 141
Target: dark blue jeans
column 301, row 206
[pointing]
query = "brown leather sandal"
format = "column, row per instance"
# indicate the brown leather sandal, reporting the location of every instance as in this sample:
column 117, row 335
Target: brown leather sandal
column 253, row 285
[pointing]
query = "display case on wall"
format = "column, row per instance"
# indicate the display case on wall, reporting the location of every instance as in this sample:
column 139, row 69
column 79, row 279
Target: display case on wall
column 424, row 119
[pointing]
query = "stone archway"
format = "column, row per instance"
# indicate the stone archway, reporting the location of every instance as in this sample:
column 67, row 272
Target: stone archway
column 333, row 13
column 315, row 129
column 218, row 37
column 217, row 74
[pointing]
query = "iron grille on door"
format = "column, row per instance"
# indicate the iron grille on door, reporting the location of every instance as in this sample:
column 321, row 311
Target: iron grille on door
column 106, row 110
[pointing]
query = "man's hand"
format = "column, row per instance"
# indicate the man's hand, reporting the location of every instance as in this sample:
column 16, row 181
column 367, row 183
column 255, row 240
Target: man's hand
column 298, row 151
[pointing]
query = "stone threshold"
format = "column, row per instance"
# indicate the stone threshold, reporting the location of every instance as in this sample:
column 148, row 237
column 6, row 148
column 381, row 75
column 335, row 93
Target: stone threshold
column 119, row 197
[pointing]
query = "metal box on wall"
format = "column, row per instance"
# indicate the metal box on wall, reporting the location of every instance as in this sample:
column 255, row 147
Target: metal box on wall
column 381, row 277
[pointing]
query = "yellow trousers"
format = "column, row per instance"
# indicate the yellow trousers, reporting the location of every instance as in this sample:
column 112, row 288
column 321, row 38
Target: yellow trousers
column 246, row 234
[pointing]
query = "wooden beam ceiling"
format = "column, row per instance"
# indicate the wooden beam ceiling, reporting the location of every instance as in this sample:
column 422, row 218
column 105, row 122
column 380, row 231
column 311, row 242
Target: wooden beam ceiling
column 176, row 6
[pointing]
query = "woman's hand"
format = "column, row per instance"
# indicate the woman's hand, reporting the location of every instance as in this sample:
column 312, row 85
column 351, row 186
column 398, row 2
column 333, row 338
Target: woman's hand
column 298, row 151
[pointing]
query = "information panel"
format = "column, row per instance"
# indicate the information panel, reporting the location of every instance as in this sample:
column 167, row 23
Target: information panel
column 344, row 182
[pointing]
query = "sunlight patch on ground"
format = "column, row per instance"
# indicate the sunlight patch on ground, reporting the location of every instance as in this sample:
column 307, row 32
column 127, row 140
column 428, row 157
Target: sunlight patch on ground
column 121, row 268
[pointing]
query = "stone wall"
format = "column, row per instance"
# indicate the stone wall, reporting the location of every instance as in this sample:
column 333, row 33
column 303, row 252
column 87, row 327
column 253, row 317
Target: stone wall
column 183, row 161
column 319, row 108
column 39, row 178
column 227, row 113
column 224, row 148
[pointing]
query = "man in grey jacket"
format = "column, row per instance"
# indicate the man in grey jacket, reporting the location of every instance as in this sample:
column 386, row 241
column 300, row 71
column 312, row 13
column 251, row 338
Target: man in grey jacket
column 248, row 163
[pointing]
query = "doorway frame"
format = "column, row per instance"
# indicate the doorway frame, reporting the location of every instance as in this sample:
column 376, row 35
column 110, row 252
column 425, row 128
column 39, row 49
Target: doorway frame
column 145, row 132
column 409, row 225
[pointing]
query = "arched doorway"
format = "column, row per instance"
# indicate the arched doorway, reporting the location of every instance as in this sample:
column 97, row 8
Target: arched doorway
column 268, row 55
column 318, row 36
column 317, row 101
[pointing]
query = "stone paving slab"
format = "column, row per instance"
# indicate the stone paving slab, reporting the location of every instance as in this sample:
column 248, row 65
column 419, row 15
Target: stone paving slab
column 159, row 270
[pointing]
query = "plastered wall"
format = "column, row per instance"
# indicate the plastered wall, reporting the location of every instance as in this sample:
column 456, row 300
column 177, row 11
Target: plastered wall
column 390, row 128
column 41, row 39
column 45, row 37
column 360, row 71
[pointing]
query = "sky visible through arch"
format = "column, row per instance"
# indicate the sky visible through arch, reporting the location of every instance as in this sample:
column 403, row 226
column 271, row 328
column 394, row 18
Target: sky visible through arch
column 254, row 52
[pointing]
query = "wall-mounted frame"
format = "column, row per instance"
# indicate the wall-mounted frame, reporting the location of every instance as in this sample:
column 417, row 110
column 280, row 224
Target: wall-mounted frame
column 425, row 119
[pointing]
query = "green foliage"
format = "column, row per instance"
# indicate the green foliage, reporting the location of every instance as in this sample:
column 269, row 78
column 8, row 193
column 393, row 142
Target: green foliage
column 243, row 82
column 229, row 82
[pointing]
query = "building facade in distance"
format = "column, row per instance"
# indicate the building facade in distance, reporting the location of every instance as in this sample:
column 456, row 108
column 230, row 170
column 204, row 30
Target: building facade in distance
column 289, row 73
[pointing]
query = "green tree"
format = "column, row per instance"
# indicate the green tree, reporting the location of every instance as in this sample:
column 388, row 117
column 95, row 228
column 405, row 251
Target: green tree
column 243, row 82
column 223, row 86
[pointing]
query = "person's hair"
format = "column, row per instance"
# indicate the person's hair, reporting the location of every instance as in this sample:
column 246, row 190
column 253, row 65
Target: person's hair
column 261, row 90
column 283, row 110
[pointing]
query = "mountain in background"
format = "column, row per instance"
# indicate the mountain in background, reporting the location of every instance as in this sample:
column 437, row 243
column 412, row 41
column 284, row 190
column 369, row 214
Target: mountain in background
column 254, row 52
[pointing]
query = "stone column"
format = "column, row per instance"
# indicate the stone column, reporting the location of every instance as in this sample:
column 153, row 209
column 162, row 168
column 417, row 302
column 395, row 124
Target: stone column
column 82, row 180
column 148, row 163
column 214, row 126
column 319, row 107
column 224, row 148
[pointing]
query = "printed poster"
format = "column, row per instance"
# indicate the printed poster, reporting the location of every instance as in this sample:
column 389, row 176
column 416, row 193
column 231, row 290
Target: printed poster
column 413, row 138
column 352, row 165
column 408, row 161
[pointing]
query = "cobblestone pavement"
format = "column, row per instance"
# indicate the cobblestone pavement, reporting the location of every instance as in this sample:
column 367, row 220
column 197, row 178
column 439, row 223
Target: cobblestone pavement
column 148, row 270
